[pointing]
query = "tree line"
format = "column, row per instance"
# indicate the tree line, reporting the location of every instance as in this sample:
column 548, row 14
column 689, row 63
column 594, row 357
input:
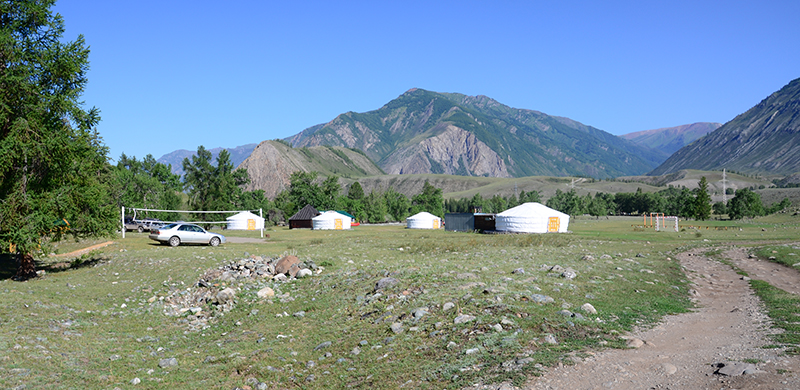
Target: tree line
column 216, row 186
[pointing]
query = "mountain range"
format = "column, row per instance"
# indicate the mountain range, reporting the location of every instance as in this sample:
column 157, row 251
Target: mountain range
column 764, row 139
column 671, row 139
column 175, row 159
column 424, row 132
column 449, row 133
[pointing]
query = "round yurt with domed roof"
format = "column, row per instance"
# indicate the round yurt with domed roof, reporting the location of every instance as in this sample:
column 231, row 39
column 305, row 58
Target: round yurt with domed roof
column 532, row 217
column 423, row 220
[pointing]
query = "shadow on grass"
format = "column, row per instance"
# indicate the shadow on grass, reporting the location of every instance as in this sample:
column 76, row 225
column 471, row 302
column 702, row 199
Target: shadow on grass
column 8, row 264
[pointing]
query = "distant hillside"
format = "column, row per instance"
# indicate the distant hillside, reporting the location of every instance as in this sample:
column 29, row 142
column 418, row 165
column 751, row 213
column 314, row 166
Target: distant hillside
column 272, row 162
column 671, row 139
column 238, row 154
column 765, row 139
column 448, row 133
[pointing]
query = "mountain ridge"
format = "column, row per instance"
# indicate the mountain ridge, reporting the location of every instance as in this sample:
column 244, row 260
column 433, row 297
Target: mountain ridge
column 764, row 139
column 671, row 139
column 410, row 134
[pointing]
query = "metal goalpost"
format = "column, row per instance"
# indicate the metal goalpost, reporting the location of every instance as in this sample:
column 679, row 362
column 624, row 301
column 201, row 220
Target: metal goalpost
column 137, row 209
column 662, row 221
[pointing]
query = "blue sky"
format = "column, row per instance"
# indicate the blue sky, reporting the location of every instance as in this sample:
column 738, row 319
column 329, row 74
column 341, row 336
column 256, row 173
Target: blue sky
column 172, row 74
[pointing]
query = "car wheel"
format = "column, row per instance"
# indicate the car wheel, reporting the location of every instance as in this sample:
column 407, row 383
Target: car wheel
column 174, row 241
column 141, row 229
column 214, row 241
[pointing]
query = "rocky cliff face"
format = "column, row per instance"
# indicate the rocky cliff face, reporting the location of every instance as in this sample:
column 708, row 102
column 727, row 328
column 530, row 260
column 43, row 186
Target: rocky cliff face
column 453, row 152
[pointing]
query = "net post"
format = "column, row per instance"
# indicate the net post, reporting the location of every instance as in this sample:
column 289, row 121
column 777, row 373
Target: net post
column 122, row 221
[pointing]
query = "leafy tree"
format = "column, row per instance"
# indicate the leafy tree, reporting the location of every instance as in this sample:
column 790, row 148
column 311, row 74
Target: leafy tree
column 477, row 203
column 213, row 188
column 398, row 205
column 303, row 190
column 778, row 206
column 745, row 204
column 146, row 184
column 567, row 202
column 719, row 208
column 53, row 165
column 375, row 207
column 530, row 196
column 430, row 200
column 599, row 205
column 198, row 179
column 329, row 193
column 702, row 201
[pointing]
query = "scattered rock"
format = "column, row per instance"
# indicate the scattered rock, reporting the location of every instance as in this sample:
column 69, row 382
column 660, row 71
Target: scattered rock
column 539, row 298
column 323, row 345
column 588, row 308
column 419, row 313
column 285, row 264
column 634, row 343
column 667, row 368
column 733, row 368
column 550, row 339
column 518, row 271
column 472, row 351
column 448, row 305
column 169, row 362
column 136, row 381
column 304, row 273
column 225, row 296
column 396, row 327
column 266, row 292
column 464, row 318
column 386, row 283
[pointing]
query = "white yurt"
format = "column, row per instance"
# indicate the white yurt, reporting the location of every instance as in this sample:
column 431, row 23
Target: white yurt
column 330, row 220
column 423, row 220
column 245, row 221
column 532, row 218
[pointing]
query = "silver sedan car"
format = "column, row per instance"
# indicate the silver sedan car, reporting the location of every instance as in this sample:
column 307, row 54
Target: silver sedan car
column 175, row 234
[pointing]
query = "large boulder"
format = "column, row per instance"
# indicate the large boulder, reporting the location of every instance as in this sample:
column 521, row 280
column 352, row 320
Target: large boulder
column 285, row 264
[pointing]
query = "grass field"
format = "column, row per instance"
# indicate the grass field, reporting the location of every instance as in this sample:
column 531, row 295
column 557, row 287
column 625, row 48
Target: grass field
column 98, row 321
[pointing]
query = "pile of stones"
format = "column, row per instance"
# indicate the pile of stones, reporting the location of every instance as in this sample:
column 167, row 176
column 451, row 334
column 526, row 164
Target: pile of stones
column 215, row 294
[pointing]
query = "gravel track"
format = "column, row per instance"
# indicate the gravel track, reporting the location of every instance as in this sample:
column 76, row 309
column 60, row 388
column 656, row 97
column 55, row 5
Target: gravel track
column 682, row 352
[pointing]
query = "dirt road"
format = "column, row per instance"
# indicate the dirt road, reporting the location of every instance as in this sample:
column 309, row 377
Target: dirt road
column 684, row 351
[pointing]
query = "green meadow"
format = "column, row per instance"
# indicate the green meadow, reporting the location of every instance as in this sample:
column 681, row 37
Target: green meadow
column 98, row 320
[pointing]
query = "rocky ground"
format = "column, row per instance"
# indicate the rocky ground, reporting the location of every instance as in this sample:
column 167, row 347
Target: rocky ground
column 717, row 346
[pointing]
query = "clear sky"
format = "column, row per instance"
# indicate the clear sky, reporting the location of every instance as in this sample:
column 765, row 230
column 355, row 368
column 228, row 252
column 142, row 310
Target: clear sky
column 174, row 74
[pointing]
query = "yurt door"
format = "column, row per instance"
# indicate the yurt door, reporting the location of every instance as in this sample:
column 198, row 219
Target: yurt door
column 251, row 224
column 436, row 223
column 553, row 224
column 337, row 224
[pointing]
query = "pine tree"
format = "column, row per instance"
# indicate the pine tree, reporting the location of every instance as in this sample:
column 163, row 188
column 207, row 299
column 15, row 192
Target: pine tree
column 702, row 201
column 53, row 164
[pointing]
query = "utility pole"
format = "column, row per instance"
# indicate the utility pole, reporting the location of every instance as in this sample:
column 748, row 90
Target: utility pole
column 724, row 187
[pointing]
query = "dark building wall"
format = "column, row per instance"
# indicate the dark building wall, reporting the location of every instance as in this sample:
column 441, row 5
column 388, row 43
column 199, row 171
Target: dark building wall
column 485, row 221
column 300, row 224
column 459, row 222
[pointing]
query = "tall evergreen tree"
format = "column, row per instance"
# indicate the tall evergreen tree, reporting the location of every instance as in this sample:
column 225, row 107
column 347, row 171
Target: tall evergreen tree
column 702, row 201
column 53, row 165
